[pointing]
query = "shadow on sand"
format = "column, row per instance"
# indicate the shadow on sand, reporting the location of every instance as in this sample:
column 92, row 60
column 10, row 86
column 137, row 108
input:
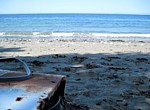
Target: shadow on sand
column 11, row 49
column 118, row 81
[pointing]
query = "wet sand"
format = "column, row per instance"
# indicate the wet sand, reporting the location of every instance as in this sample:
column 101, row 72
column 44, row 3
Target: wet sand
column 101, row 75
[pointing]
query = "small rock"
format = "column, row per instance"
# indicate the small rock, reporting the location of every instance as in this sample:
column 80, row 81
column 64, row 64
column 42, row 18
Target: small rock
column 78, row 79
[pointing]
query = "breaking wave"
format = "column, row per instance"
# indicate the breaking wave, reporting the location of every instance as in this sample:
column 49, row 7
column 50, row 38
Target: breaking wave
column 74, row 34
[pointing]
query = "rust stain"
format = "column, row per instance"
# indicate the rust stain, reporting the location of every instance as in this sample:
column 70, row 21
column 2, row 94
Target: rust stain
column 37, row 82
column 39, row 85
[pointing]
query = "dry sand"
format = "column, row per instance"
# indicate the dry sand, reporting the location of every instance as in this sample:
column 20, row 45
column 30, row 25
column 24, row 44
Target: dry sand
column 101, row 75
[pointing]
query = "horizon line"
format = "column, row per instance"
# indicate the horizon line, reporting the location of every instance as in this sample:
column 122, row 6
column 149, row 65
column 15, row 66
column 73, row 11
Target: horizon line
column 77, row 13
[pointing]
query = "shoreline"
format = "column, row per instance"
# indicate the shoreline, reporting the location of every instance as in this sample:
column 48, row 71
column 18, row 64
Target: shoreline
column 75, row 38
column 101, row 75
column 73, row 34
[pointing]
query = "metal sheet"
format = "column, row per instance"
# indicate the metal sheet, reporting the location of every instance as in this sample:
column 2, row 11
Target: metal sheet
column 28, row 94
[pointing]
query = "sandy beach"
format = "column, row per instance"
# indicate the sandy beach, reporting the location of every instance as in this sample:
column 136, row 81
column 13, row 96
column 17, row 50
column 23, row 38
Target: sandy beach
column 101, row 75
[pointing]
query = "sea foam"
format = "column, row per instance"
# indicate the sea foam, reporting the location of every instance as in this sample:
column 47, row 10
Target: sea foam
column 73, row 34
column 2, row 33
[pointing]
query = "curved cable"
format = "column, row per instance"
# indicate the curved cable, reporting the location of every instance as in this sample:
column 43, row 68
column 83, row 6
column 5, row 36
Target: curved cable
column 15, row 78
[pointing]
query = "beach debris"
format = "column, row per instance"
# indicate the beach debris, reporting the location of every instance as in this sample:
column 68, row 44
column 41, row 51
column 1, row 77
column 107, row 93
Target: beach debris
column 127, row 94
column 116, row 40
column 141, row 59
column 117, row 80
column 98, row 103
column 110, row 58
column 145, row 93
column 138, row 81
column 112, row 76
column 67, row 69
column 78, row 79
column 107, row 64
column 86, row 94
column 86, row 72
column 117, row 68
column 73, row 106
column 78, row 59
column 58, row 56
column 67, row 75
column 37, row 63
column 91, row 65
column 78, row 66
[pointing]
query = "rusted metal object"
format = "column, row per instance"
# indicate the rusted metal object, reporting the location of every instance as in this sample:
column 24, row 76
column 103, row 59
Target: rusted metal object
column 36, row 93
column 39, row 92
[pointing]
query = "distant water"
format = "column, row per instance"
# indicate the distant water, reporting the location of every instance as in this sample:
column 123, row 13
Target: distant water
column 85, row 26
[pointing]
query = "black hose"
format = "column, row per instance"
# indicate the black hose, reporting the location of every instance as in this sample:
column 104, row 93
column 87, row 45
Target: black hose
column 15, row 78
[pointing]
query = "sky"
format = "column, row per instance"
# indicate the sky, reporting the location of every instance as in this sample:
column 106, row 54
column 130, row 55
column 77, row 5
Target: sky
column 75, row 6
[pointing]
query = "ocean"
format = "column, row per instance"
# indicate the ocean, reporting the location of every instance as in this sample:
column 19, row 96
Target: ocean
column 75, row 26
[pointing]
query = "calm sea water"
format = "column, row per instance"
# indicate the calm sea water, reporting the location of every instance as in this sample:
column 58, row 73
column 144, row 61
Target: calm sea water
column 48, row 25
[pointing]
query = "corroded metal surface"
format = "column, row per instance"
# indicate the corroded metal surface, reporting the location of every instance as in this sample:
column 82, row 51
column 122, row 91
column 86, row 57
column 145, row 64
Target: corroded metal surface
column 31, row 94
